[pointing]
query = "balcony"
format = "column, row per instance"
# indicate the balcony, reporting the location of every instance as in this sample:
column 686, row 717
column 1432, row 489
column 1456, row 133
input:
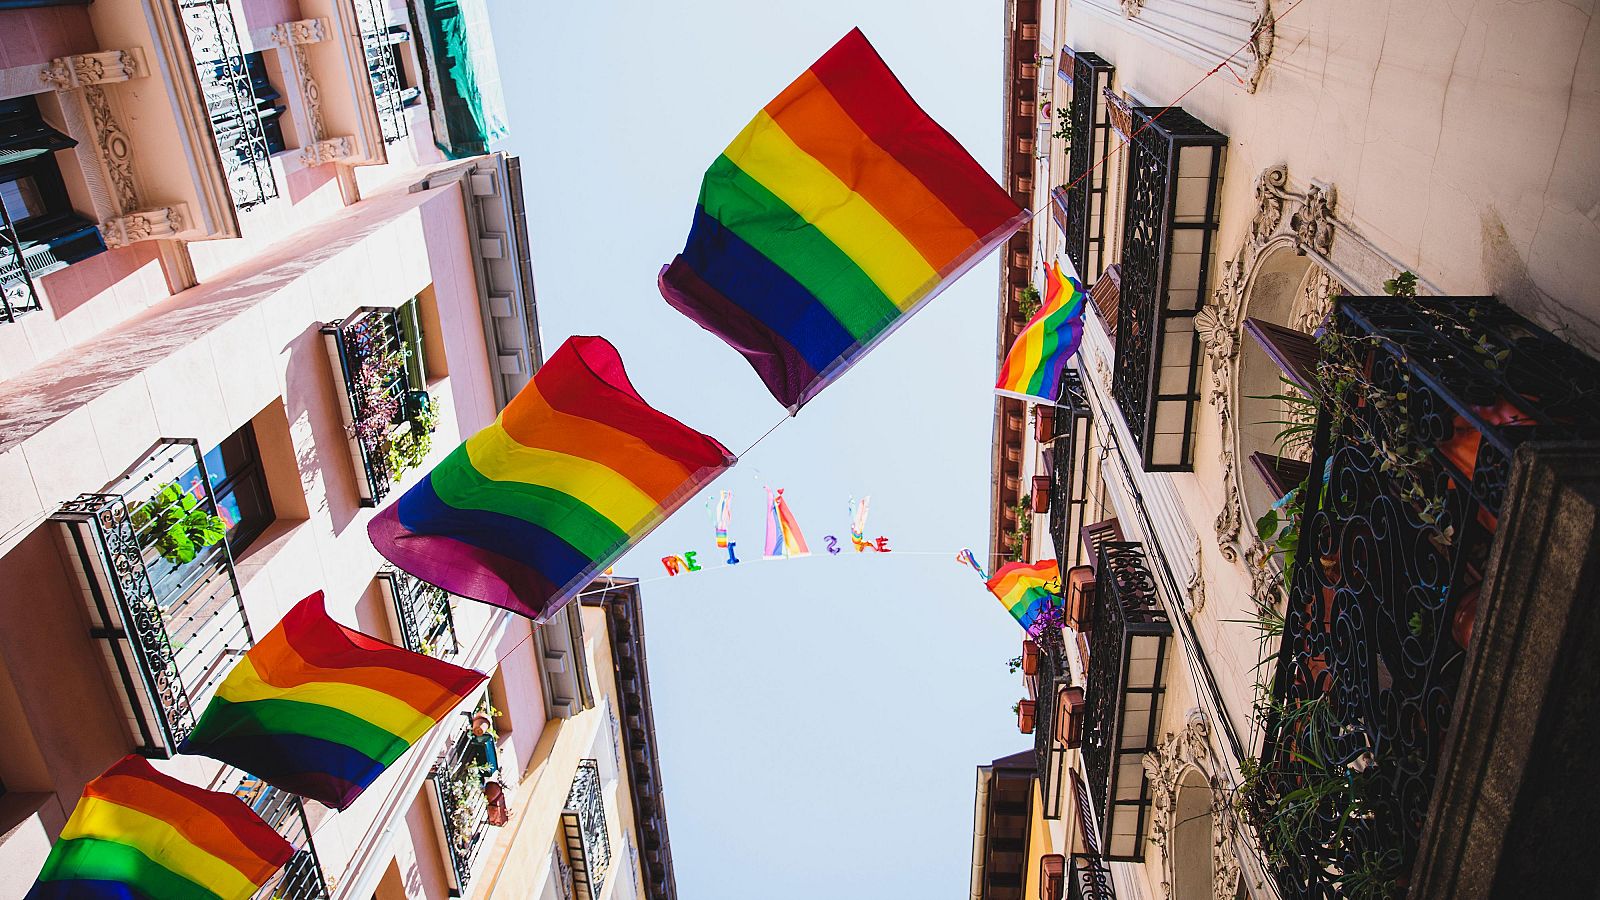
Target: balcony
column 225, row 83
column 18, row 295
column 1422, row 403
column 458, row 778
column 1169, row 230
column 424, row 614
column 1082, row 201
column 1058, row 716
column 1128, row 636
column 165, row 609
column 1071, row 476
column 583, row 823
column 389, row 418
column 1089, row 877
column 378, row 39
column 301, row 878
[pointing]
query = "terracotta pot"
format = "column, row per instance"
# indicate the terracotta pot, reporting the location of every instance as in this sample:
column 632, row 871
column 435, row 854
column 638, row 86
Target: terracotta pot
column 1041, row 493
column 1044, row 424
column 1025, row 717
column 1465, row 617
column 1069, row 717
column 1030, row 657
column 1080, row 597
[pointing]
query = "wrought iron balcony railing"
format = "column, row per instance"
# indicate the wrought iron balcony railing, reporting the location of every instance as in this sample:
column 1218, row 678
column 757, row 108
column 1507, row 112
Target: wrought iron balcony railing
column 1422, row 402
column 378, row 38
column 18, row 294
column 1050, row 755
column 1128, row 637
column 1090, row 879
column 169, row 617
column 425, row 614
column 1169, row 229
column 584, row 826
column 1084, row 190
column 301, row 878
column 458, row 779
column 230, row 100
column 1071, row 477
column 375, row 354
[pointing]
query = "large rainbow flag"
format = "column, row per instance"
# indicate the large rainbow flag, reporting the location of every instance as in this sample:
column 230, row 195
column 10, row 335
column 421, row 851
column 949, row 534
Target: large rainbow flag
column 576, row 470
column 1037, row 362
column 321, row 710
column 1025, row 589
column 140, row 835
column 837, row 212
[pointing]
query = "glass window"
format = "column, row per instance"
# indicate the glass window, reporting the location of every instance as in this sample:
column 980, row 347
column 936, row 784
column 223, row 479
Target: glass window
column 239, row 486
column 22, row 199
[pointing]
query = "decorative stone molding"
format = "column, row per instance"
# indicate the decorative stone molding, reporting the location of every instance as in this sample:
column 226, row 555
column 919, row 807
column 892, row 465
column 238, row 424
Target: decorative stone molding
column 300, row 31
column 1313, row 224
column 1263, row 34
column 1131, row 8
column 1166, row 767
column 165, row 223
column 327, row 151
column 1236, row 35
column 66, row 73
column 1196, row 587
column 114, row 154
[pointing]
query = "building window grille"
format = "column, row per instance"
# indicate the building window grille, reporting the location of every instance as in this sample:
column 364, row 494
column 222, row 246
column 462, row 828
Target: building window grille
column 377, row 355
column 380, row 42
column 458, row 779
column 1083, row 196
column 170, row 628
column 40, row 232
column 229, row 90
column 1071, row 477
column 301, row 878
column 425, row 614
column 584, row 824
column 1169, row 229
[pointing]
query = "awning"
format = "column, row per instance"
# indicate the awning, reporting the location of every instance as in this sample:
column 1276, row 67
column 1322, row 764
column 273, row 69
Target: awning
column 466, row 103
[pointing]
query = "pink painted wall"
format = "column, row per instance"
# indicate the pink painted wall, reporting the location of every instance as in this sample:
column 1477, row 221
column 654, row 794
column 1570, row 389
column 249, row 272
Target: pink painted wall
column 36, row 36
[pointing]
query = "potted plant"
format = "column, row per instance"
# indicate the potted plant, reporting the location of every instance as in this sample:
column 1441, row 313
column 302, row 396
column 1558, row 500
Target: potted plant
column 173, row 524
column 1044, row 423
column 1041, row 494
column 1030, row 657
column 1025, row 716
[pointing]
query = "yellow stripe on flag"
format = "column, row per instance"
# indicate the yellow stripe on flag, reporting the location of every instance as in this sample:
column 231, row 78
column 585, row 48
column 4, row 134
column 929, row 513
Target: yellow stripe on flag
column 96, row 817
column 244, row 685
column 498, row 456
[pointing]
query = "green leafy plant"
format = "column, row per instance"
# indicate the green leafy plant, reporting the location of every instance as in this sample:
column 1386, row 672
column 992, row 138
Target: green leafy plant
column 1014, row 664
column 1063, row 130
column 1028, row 302
column 175, row 524
column 1024, row 530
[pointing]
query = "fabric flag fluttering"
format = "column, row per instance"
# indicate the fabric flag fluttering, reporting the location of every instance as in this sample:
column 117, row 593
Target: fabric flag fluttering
column 839, row 211
column 858, row 521
column 575, row 470
column 137, row 833
column 783, row 532
column 967, row 558
column 724, row 517
column 1037, row 361
column 321, row 710
column 1026, row 589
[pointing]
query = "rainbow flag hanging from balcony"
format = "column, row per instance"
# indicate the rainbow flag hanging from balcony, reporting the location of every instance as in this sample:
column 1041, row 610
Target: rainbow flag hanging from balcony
column 1026, row 589
column 137, row 833
column 321, row 710
column 839, row 211
column 783, row 532
column 575, row 471
column 1037, row 362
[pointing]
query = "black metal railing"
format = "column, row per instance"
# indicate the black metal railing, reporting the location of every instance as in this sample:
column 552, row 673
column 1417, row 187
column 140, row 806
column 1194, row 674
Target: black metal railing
column 230, row 100
column 168, row 614
column 1071, row 480
column 1422, row 402
column 1167, row 253
column 1090, row 879
column 1085, row 190
column 1127, row 648
column 378, row 38
column 426, row 614
column 301, row 877
column 1053, row 673
column 364, row 347
column 18, row 295
column 458, row 777
column 584, row 822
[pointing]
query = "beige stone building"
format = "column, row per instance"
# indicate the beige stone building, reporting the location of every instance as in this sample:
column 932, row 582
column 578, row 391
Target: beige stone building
column 1291, row 657
column 260, row 266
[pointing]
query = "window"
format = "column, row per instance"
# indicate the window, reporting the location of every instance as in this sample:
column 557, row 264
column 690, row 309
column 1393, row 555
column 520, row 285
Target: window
column 240, row 487
column 40, row 232
column 269, row 102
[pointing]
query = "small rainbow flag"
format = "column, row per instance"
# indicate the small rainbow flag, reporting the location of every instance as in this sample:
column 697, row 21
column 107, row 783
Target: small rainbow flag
column 837, row 212
column 967, row 558
column 321, row 710
column 1026, row 589
column 1038, row 359
column 783, row 532
column 140, row 835
column 576, row 470
column 724, row 517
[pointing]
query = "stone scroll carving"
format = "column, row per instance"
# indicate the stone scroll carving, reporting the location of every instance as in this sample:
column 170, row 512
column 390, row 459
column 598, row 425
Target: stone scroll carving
column 1166, row 766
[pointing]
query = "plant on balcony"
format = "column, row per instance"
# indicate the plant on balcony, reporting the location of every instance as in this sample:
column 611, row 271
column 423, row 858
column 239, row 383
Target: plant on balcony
column 380, row 405
column 1014, row 664
column 1063, row 130
column 1024, row 530
column 174, row 524
column 467, row 804
column 1028, row 302
column 410, row 442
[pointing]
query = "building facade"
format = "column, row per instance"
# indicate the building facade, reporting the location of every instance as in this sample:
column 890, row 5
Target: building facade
column 259, row 273
column 1321, row 485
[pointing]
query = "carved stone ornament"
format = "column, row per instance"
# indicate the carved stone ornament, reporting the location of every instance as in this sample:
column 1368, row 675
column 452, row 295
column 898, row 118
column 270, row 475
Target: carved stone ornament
column 165, row 223
column 1196, row 587
column 300, row 31
column 330, row 150
column 114, row 152
column 66, row 73
column 1282, row 218
column 1166, row 767
column 1131, row 8
column 1263, row 34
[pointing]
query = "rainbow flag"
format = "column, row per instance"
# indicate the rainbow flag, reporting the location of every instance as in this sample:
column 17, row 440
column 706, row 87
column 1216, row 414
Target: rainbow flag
column 783, row 532
column 967, row 558
column 576, row 470
column 837, row 212
column 1026, row 589
column 1038, row 359
column 140, row 835
column 858, row 521
column 724, row 517
column 321, row 710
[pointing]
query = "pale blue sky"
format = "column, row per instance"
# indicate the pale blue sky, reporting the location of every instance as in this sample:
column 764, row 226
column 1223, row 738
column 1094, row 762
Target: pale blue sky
column 819, row 719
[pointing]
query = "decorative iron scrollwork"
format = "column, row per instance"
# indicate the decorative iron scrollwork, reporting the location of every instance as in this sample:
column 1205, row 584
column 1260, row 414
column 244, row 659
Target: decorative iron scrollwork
column 230, row 100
